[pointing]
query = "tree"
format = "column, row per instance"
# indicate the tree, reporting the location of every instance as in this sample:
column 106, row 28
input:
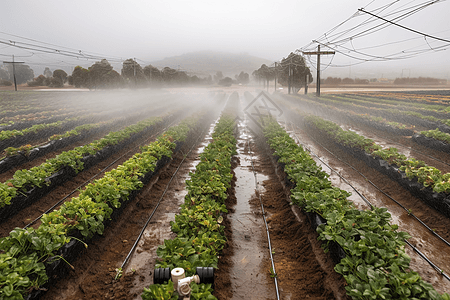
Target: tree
column 299, row 70
column 133, row 72
column 47, row 72
column 38, row 81
column 70, row 79
column 243, row 78
column 218, row 76
column 265, row 73
column 60, row 74
column 102, row 75
column 56, row 82
column 169, row 75
column 333, row 80
column 80, row 77
column 227, row 81
column 23, row 73
column 347, row 80
column 152, row 73
column 4, row 73
column 258, row 77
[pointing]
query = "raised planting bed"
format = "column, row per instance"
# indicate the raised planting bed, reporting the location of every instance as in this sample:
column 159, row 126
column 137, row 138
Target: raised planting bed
column 33, row 258
column 27, row 186
column 200, row 232
column 382, row 124
column 434, row 139
column 369, row 251
column 425, row 182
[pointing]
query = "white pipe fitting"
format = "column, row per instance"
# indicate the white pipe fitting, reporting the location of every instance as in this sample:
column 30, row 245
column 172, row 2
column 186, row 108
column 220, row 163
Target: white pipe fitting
column 184, row 288
column 177, row 274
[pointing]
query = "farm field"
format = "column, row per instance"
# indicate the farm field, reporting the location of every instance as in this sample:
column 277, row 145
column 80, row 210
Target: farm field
column 109, row 188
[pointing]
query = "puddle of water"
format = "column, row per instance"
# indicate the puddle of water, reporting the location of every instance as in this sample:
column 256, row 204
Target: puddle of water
column 248, row 279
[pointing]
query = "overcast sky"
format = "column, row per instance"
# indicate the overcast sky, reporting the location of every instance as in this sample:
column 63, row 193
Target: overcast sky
column 153, row 29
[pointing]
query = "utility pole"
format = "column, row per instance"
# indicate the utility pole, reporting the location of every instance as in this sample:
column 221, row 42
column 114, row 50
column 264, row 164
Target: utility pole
column 134, row 67
column 306, row 84
column 275, row 76
column 289, row 79
column 14, row 69
column 318, row 53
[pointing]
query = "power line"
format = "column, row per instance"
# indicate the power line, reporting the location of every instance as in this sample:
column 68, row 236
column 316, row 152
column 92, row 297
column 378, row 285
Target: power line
column 389, row 14
column 404, row 27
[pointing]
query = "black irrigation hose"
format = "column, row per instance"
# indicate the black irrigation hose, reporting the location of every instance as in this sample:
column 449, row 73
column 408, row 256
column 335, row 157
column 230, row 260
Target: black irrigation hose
column 157, row 205
column 89, row 180
column 427, row 260
column 263, row 213
column 412, row 246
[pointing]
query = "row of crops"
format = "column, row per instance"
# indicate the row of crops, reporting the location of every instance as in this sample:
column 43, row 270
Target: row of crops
column 420, row 124
column 28, row 185
column 21, row 136
column 31, row 257
column 200, row 232
column 375, row 264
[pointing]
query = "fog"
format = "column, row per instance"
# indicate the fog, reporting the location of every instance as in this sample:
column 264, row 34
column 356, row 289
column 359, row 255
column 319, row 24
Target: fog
column 153, row 30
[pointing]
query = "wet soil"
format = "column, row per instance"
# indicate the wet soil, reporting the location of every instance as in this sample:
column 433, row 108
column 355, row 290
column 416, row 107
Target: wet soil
column 249, row 276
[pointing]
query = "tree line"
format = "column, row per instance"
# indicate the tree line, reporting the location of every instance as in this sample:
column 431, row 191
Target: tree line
column 291, row 72
column 102, row 75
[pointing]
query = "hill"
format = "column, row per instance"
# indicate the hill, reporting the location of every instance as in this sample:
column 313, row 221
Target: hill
column 204, row 63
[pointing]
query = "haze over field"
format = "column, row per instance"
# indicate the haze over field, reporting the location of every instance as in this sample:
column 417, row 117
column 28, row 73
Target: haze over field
column 151, row 31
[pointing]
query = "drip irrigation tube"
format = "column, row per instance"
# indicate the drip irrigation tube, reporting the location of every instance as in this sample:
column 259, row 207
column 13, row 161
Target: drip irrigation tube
column 423, row 256
column 127, row 258
column 90, row 179
column 427, row 260
column 263, row 211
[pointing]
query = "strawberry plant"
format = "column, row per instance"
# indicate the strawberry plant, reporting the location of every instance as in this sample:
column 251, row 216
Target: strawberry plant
column 437, row 135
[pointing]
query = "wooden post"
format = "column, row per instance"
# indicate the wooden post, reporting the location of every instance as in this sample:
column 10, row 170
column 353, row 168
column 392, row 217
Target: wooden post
column 289, row 79
column 318, row 72
column 275, row 76
column 318, row 53
column 306, row 84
